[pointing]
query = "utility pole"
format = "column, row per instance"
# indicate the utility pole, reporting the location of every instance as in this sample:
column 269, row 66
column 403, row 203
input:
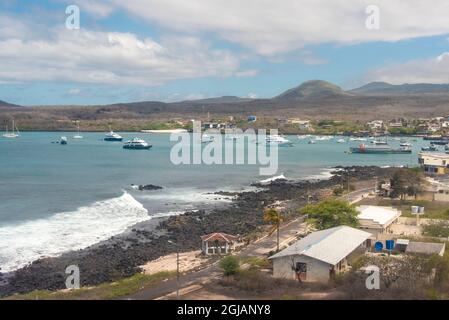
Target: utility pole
column 177, row 273
column 177, row 268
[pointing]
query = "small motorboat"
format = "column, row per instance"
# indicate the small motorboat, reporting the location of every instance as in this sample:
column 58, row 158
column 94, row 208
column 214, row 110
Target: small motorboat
column 205, row 138
column 63, row 140
column 405, row 144
column 341, row 141
column 429, row 148
column 311, row 142
column 278, row 140
column 137, row 144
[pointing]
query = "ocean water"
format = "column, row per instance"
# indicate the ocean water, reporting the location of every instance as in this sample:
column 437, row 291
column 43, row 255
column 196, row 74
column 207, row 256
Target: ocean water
column 56, row 198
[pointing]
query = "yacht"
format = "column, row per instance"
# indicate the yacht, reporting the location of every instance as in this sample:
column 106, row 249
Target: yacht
column 341, row 141
column 63, row 140
column 14, row 133
column 430, row 148
column 405, row 144
column 205, row 138
column 137, row 144
column 379, row 142
column 78, row 135
column 278, row 140
column 311, row 142
column 112, row 136
column 357, row 139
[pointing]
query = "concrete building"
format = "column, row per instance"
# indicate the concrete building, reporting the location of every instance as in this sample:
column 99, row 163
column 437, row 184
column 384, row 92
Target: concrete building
column 377, row 220
column 425, row 248
column 218, row 243
column 434, row 163
column 321, row 255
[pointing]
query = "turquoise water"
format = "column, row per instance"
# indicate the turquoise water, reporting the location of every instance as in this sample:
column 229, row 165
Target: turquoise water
column 56, row 198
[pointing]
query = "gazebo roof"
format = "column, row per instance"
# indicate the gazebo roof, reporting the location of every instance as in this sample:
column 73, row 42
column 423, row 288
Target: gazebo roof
column 219, row 236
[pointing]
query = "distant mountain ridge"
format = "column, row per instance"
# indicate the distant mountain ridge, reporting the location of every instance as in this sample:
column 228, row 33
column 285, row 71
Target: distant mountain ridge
column 387, row 88
column 4, row 104
column 313, row 89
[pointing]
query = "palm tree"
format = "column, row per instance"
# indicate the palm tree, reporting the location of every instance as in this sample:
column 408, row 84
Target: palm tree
column 273, row 217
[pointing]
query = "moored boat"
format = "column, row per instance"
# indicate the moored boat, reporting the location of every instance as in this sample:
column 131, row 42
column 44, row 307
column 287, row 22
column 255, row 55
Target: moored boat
column 137, row 144
column 112, row 136
column 384, row 149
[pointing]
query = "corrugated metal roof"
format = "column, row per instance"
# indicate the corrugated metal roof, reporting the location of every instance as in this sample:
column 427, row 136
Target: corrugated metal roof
column 380, row 215
column 330, row 245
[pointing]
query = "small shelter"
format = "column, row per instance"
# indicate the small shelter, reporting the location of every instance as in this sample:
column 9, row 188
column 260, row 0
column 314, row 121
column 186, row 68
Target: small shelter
column 218, row 243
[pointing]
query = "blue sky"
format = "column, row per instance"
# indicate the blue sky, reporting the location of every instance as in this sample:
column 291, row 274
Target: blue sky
column 173, row 50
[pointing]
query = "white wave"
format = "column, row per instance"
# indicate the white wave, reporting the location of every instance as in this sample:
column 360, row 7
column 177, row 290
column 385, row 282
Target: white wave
column 184, row 195
column 25, row 242
column 325, row 174
column 279, row 177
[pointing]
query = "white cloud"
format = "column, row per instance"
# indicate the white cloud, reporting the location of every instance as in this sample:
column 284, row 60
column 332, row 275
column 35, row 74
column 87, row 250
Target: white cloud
column 247, row 73
column 195, row 96
column 74, row 91
column 275, row 27
column 98, row 9
column 433, row 70
column 110, row 58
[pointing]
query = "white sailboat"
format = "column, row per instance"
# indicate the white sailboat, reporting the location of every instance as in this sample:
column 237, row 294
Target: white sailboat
column 14, row 133
column 78, row 135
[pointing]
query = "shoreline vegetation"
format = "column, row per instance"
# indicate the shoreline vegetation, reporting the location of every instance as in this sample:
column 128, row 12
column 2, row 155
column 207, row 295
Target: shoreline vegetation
column 119, row 257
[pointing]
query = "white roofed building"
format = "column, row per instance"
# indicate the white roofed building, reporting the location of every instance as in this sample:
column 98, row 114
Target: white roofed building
column 377, row 220
column 320, row 255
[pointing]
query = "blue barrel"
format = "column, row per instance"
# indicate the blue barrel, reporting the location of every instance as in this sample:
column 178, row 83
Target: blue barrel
column 389, row 244
column 378, row 246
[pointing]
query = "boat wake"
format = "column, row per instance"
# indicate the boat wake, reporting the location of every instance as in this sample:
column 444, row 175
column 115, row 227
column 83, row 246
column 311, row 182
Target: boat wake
column 23, row 243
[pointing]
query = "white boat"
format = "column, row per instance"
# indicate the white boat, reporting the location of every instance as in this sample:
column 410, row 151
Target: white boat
column 357, row 139
column 205, row 138
column 63, row 140
column 405, row 144
column 78, row 135
column 112, row 136
column 311, row 142
column 341, row 141
column 302, row 137
column 323, row 138
column 14, row 133
column 379, row 142
column 278, row 140
column 137, row 144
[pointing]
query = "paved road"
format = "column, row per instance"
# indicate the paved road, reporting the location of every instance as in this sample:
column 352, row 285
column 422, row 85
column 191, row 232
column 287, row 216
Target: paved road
column 358, row 195
column 289, row 232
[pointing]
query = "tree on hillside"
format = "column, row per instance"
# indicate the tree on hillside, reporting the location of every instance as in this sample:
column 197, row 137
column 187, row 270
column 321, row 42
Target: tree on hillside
column 331, row 213
column 406, row 182
column 273, row 217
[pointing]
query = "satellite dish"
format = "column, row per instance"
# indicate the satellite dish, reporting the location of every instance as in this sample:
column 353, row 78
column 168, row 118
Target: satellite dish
column 378, row 246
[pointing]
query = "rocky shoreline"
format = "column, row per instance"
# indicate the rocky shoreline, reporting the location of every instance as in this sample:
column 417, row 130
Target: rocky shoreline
column 122, row 255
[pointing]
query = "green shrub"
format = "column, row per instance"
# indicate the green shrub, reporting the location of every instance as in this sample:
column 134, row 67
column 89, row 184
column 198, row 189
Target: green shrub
column 338, row 191
column 230, row 265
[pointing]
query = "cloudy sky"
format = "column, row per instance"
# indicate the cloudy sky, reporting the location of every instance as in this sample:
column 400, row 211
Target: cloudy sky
column 173, row 50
